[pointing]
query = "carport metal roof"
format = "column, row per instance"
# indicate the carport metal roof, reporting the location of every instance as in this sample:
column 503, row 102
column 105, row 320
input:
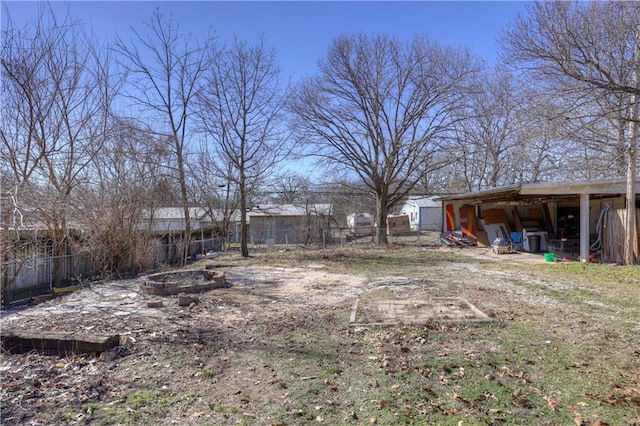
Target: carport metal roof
column 543, row 191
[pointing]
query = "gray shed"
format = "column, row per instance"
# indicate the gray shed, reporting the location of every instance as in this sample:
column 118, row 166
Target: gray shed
column 425, row 213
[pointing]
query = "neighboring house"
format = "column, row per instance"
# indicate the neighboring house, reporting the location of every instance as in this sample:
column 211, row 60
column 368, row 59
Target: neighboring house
column 289, row 223
column 170, row 220
column 168, row 225
column 579, row 219
column 214, row 221
column 425, row 213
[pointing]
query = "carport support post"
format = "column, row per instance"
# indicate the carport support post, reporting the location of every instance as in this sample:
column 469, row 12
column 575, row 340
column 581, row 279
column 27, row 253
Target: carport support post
column 584, row 227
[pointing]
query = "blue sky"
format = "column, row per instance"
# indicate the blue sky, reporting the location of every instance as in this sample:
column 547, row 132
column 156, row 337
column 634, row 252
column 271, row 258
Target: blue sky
column 300, row 31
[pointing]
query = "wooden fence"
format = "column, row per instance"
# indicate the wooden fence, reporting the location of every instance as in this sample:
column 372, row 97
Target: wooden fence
column 614, row 236
column 35, row 276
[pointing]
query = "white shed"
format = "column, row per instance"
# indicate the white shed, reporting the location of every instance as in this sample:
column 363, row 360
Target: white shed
column 425, row 213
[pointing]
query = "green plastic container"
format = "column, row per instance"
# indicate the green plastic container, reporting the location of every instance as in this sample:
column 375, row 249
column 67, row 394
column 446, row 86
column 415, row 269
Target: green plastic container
column 549, row 257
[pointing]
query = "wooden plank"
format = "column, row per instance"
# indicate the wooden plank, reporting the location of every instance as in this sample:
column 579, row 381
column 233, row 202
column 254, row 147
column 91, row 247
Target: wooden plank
column 496, row 216
column 483, row 239
column 516, row 219
column 547, row 220
column 57, row 342
column 468, row 225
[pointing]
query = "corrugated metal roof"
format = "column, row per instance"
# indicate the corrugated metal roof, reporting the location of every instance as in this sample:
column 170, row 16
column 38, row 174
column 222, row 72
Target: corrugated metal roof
column 480, row 194
column 175, row 213
column 594, row 186
column 522, row 191
column 290, row 210
column 424, row 201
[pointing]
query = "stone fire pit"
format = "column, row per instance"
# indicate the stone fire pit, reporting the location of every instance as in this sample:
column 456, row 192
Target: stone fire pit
column 186, row 281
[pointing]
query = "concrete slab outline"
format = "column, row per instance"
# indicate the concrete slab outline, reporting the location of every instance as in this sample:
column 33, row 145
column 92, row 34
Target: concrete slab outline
column 409, row 311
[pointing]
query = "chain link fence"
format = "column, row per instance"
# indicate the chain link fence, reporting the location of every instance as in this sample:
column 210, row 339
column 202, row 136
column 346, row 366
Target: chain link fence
column 170, row 253
column 24, row 279
column 336, row 237
column 36, row 276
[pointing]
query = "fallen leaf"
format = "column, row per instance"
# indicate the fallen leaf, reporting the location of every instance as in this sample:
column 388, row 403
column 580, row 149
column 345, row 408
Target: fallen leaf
column 429, row 391
column 552, row 402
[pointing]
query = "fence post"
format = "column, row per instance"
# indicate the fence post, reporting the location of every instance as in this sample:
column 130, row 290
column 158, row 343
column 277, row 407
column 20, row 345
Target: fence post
column 50, row 261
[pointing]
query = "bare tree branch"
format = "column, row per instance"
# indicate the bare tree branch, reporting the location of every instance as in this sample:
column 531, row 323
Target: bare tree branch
column 166, row 70
column 242, row 115
column 379, row 108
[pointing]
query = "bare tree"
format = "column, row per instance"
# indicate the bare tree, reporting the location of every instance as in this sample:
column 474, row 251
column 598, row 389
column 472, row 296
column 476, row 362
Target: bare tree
column 165, row 70
column 437, row 180
column 591, row 48
column 290, row 187
column 242, row 116
column 129, row 180
column 58, row 89
column 216, row 191
column 506, row 134
column 543, row 152
column 599, row 127
column 484, row 133
column 379, row 109
column 488, row 129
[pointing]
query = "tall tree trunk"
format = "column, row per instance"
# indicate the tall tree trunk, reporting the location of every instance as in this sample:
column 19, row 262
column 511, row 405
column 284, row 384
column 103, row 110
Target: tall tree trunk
column 244, row 246
column 184, row 197
column 631, row 236
column 381, row 217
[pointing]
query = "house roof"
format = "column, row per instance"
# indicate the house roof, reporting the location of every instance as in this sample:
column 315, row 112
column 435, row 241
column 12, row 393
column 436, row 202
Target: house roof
column 168, row 219
column 290, row 210
column 423, row 201
column 545, row 190
column 163, row 213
